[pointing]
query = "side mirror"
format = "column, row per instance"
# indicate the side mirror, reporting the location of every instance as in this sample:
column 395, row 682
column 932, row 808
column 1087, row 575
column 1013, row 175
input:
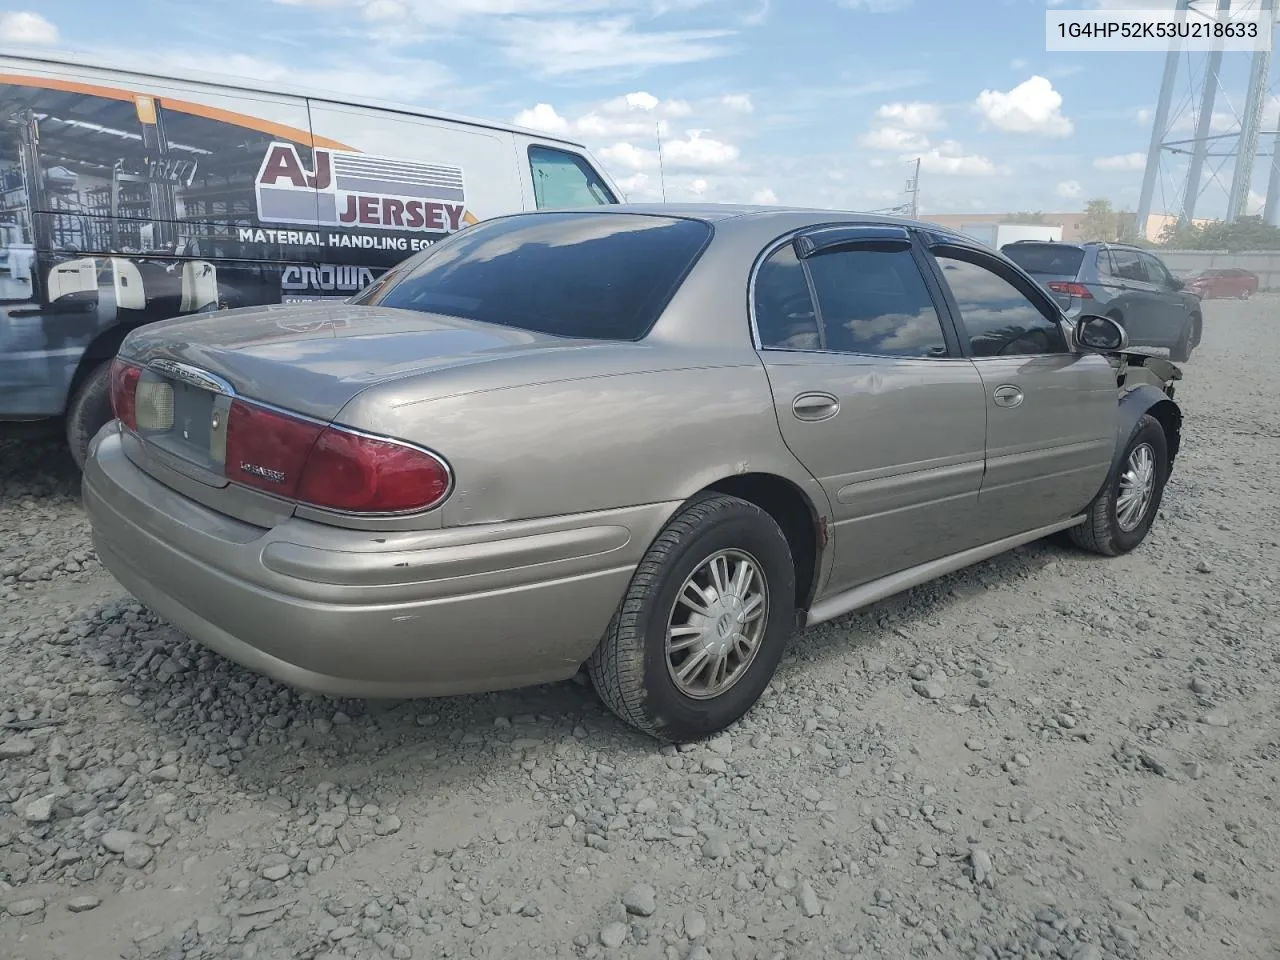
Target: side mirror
column 1176, row 284
column 1101, row 334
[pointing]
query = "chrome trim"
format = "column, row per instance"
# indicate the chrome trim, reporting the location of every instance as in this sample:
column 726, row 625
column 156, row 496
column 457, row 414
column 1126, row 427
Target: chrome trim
column 192, row 376
column 777, row 244
column 847, row 601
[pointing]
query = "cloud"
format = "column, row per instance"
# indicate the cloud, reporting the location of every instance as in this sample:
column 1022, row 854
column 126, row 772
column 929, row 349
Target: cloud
column 948, row 158
column 1033, row 106
column 1069, row 189
column 697, row 152
column 542, row 116
column 738, row 102
column 23, row 26
column 1018, row 64
column 876, row 6
column 629, row 156
column 892, row 138
column 1122, row 161
column 764, row 196
column 557, row 48
column 916, row 115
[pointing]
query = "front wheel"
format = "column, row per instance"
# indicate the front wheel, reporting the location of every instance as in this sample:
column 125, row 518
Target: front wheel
column 1121, row 515
column 704, row 622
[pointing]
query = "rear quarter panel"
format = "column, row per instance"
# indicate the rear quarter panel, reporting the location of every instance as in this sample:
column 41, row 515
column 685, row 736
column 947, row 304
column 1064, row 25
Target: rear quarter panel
column 630, row 426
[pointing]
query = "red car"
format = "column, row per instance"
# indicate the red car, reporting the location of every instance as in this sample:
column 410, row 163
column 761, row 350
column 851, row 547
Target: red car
column 1226, row 282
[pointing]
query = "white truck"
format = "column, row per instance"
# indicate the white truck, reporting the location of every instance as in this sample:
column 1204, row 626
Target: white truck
column 996, row 235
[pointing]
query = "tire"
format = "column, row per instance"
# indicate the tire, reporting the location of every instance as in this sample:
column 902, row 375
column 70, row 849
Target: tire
column 1245, row 294
column 89, row 411
column 1197, row 331
column 632, row 670
column 1180, row 352
column 1103, row 531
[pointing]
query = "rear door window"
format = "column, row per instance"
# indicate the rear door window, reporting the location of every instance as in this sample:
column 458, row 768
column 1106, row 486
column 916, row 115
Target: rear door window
column 1055, row 259
column 605, row 276
column 565, row 180
column 1129, row 266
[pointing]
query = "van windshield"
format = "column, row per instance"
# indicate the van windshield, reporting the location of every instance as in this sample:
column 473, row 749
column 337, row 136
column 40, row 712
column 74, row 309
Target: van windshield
column 600, row 276
column 1058, row 259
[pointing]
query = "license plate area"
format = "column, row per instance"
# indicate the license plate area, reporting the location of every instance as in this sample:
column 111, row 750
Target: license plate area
column 186, row 423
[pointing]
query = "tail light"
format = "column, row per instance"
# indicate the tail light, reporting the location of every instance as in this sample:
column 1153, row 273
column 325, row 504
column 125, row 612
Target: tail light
column 1071, row 289
column 329, row 466
column 124, row 392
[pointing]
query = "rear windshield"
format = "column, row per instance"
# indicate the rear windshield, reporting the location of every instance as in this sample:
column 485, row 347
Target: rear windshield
column 1056, row 258
column 603, row 276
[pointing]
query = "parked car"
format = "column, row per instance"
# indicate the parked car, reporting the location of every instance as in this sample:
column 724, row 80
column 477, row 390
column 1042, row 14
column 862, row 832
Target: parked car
column 131, row 197
column 654, row 439
column 1223, row 282
column 1130, row 285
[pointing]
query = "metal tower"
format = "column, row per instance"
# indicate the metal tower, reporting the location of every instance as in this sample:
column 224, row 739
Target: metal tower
column 1241, row 143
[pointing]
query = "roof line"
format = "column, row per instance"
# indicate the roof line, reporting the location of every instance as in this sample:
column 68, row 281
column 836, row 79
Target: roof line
column 80, row 62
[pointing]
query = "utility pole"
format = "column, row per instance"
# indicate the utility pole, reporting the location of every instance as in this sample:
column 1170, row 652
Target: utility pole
column 1247, row 151
column 1200, row 149
column 913, row 191
column 1159, row 127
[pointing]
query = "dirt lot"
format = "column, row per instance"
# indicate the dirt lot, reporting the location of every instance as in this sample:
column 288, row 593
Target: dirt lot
column 1096, row 778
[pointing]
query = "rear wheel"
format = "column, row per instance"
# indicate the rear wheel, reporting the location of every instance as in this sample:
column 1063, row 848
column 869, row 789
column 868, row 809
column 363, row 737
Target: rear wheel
column 703, row 624
column 89, row 411
column 1122, row 514
column 1181, row 350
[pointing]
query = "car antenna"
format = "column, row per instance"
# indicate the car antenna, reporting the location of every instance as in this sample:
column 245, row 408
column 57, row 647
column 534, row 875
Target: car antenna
column 662, row 177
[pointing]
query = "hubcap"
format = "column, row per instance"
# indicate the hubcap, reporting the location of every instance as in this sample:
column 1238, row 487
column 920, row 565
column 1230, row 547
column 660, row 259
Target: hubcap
column 1137, row 484
column 716, row 624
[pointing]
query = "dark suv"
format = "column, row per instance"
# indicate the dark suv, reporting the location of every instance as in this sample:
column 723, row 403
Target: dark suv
column 1128, row 284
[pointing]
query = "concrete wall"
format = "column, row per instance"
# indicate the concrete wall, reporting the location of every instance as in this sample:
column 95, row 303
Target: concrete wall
column 1186, row 263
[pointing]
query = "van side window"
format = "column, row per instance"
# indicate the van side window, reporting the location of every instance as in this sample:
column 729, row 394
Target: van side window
column 562, row 179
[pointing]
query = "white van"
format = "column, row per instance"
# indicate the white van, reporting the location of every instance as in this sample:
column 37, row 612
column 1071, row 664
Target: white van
column 128, row 197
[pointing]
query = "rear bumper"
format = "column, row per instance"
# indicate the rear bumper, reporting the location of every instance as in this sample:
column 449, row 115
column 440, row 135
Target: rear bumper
column 350, row 613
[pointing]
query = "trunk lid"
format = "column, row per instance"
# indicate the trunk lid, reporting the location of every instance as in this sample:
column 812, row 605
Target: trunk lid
column 313, row 358
column 305, row 359
column 1052, row 264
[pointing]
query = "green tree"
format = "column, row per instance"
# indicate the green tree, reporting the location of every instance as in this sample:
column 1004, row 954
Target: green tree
column 1247, row 233
column 1027, row 217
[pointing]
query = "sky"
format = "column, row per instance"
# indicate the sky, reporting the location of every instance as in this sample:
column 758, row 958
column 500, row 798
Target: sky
column 811, row 102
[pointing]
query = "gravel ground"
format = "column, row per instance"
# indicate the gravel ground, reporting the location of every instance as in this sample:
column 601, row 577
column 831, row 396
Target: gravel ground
column 1048, row 755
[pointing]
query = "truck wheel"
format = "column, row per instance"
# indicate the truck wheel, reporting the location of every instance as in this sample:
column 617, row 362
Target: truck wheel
column 702, row 626
column 88, row 411
column 1120, row 516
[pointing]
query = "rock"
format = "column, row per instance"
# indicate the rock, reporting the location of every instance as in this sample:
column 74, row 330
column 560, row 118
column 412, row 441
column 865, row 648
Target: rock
column 386, row 826
column 613, row 935
column 695, row 924
column 138, row 856
column 1066, row 721
column 1149, row 882
column 16, row 747
column 275, row 872
column 715, row 848
column 983, row 867
column 118, row 841
column 1201, row 686
column 640, row 900
column 1153, row 762
column 810, row 905
column 929, row 689
column 109, row 778
column 40, row 811
column 471, row 919
column 83, row 904
column 166, row 774
column 25, row 908
column 920, row 672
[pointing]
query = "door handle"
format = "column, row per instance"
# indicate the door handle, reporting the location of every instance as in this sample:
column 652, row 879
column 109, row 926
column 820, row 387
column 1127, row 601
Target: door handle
column 1007, row 395
column 815, row 406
